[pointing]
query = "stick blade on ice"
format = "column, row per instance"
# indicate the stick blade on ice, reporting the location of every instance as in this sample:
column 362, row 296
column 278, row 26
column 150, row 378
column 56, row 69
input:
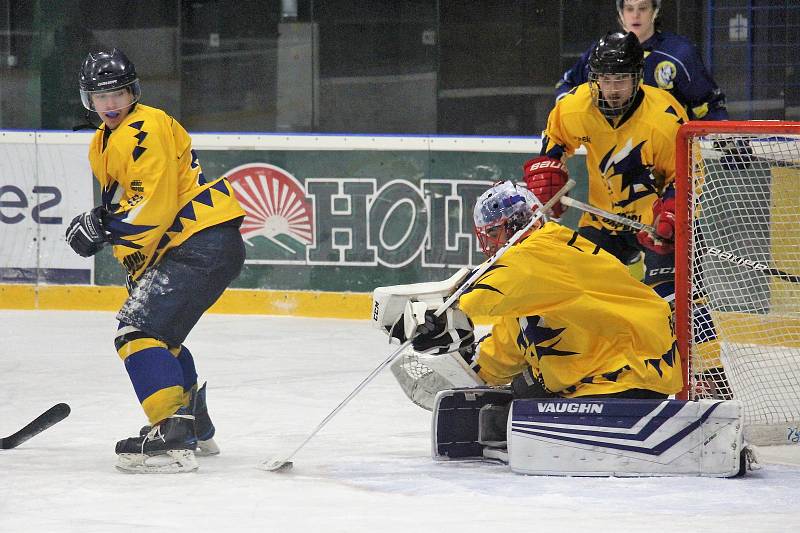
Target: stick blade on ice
column 277, row 465
column 52, row 416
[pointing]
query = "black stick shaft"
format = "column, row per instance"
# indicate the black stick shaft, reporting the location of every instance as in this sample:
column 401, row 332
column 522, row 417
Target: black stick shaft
column 52, row 416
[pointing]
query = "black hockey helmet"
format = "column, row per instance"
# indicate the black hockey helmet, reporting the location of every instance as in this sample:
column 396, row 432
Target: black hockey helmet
column 106, row 71
column 618, row 55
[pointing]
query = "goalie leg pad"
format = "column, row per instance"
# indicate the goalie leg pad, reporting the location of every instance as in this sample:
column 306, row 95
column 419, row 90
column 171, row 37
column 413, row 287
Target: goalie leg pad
column 456, row 430
column 616, row 437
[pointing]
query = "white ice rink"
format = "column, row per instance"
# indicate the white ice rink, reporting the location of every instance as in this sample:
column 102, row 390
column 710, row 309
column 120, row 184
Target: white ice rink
column 271, row 380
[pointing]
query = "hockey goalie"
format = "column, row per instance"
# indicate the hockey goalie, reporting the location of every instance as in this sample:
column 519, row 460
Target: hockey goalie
column 575, row 375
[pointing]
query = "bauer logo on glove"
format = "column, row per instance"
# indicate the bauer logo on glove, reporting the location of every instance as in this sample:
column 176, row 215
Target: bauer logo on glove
column 545, row 176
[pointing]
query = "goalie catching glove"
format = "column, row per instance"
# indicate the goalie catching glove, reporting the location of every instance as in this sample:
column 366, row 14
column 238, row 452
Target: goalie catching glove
column 544, row 177
column 431, row 334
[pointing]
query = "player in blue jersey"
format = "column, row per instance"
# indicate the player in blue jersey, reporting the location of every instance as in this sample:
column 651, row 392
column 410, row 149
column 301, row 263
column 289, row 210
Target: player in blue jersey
column 672, row 63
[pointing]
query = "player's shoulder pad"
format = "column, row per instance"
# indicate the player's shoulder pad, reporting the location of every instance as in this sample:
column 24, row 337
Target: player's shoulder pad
column 674, row 45
column 550, row 233
column 663, row 100
column 146, row 123
column 579, row 98
column 150, row 119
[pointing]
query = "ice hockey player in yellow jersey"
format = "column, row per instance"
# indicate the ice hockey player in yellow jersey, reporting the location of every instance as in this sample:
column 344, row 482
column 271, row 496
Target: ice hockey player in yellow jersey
column 568, row 318
column 176, row 233
column 152, row 177
column 629, row 131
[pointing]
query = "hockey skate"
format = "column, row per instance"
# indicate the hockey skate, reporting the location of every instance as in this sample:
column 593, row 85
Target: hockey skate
column 167, row 448
column 204, row 428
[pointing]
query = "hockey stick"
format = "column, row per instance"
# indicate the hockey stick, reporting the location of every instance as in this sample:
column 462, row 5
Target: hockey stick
column 577, row 204
column 712, row 250
column 283, row 462
column 52, row 416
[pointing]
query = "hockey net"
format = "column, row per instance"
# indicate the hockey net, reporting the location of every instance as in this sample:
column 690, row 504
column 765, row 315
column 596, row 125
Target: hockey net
column 738, row 270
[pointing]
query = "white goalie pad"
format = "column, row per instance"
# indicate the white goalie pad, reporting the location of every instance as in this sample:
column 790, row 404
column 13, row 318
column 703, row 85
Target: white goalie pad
column 619, row 437
column 422, row 376
column 389, row 303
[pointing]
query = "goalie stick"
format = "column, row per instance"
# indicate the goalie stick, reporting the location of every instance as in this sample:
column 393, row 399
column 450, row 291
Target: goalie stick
column 712, row 250
column 52, row 416
column 283, row 462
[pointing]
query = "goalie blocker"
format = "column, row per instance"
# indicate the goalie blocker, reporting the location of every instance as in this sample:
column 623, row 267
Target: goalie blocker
column 591, row 437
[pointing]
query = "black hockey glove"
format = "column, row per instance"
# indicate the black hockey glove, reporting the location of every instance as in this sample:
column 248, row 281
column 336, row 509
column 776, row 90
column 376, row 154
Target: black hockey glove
column 438, row 335
column 85, row 234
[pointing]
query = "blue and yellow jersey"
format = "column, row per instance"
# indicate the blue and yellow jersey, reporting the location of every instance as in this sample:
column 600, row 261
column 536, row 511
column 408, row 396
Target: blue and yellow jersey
column 153, row 188
column 630, row 161
column 574, row 314
column 671, row 63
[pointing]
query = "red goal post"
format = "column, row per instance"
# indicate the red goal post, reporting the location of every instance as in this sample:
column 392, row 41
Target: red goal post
column 737, row 269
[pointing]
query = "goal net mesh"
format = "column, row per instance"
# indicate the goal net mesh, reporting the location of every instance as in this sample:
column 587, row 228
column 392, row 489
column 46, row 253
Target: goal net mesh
column 737, row 297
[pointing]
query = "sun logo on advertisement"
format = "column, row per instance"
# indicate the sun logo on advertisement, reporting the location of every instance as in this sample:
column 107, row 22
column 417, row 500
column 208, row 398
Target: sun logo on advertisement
column 275, row 205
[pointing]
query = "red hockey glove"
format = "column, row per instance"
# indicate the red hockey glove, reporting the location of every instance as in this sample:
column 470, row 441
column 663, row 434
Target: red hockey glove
column 545, row 176
column 663, row 242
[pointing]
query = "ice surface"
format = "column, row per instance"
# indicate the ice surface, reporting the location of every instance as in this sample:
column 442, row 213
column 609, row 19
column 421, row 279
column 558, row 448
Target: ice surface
column 271, row 381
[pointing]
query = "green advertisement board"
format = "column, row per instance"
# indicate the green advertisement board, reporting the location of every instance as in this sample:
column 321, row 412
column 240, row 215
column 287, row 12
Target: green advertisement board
column 353, row 219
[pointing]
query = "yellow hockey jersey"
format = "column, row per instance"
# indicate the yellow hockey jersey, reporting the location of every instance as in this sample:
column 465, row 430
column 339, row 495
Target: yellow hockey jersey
column 629, row 160
column 153, row 187
column 573, row 313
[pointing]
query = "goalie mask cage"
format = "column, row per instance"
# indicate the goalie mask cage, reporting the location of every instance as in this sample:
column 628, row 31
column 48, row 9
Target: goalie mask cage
column 737, row 270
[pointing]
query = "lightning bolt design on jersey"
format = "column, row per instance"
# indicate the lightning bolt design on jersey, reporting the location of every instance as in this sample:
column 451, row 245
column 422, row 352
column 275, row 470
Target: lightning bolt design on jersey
column 533, row 331
column 576, row 316
column 629, row 162
column 153, row 188
column 636, row 179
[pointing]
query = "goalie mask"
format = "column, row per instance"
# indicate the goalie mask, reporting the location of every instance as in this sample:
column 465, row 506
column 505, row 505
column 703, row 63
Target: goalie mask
column 500, row 212
column 615, row 72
